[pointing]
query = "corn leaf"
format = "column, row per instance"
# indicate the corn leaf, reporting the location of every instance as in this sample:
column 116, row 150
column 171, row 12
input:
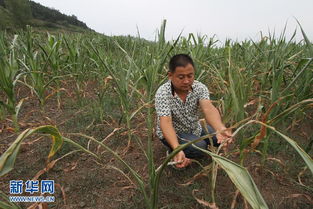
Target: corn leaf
column 307, row 159
column 290, row 110
column 8, row 158
column 242, row 179
column 7, row 204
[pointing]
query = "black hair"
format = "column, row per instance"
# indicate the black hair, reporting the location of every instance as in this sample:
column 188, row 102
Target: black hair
column 180, row 60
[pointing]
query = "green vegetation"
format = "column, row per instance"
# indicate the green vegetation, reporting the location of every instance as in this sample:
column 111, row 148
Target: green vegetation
column 16, row 14
column 257, row 85
column 6, row 18
column 20, row 10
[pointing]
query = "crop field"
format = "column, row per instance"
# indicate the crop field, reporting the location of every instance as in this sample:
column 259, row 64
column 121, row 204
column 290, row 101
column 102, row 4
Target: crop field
column 79, row 109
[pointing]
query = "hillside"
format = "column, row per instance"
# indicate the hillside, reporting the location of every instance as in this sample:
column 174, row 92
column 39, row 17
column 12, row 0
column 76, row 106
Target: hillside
column 16, row 14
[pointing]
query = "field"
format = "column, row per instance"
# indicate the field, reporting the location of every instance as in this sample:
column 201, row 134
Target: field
column 94, row 95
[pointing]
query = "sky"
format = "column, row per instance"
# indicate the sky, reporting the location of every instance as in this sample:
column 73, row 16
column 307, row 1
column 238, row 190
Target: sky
column 234, row 19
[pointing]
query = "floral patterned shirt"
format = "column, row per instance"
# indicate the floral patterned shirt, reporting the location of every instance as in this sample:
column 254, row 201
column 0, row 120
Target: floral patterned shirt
column 184, row 114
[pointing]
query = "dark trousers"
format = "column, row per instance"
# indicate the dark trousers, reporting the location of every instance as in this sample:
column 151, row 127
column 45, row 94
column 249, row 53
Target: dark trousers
column 190, row 151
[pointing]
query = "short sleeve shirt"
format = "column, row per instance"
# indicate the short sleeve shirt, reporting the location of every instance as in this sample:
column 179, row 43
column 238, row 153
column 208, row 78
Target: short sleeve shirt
column 184, row 114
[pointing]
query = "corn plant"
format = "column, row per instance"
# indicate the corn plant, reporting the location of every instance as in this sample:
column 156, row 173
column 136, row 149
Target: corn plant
column 7, row 159
column 77, row 60
column 38, row 79
column 282, row 59
column 152, row 76
column 124, row 85
column 52, row 56
column 9, row 75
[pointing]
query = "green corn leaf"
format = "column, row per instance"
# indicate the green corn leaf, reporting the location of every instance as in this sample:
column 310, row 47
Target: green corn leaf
column 8, row 158
column 290, row 110
column 7, row 204
column 306, row 63
column 80, row 147
column 137, row 177
column 242, row 179
column 307, row 159
column 306, row 39
column 8, row 107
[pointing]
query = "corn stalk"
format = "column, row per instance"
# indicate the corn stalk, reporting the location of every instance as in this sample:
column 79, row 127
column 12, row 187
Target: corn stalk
column 9, row 75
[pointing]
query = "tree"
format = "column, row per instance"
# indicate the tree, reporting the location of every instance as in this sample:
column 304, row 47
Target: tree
column 2, row 3
column 20, row 10
column 74, row 17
